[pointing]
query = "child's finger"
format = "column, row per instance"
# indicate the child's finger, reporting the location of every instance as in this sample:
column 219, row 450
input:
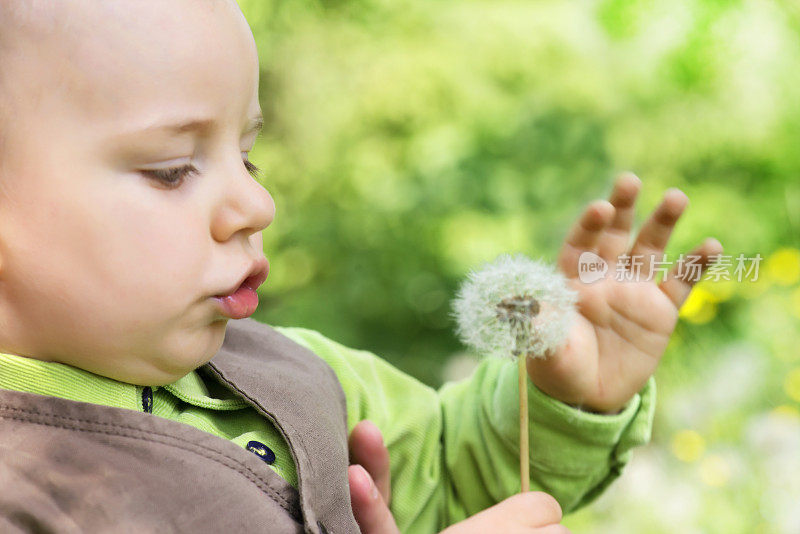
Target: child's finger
column 584, row 235
column 552, row 529
column 653, row 237
column 616, row 237
column 367, row 449
column 678, row 282
column 369, row 509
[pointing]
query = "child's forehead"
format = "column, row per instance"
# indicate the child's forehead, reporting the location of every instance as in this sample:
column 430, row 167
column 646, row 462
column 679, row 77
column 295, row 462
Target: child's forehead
column 118, row 54
column 71, row 21
column 131, row 32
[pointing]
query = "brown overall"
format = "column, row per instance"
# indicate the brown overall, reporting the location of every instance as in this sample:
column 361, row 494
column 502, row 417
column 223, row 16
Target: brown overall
column 69, row 467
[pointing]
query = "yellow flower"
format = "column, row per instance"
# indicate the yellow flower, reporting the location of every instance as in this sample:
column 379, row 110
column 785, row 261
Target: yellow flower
column 783, row 266
column 700, row 307
column 688, row 445
column 792, row 384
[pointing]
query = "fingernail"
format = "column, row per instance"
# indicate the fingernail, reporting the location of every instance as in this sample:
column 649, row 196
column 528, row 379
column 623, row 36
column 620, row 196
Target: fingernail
column 632, row 174
column 376, row 429
column 373, row 489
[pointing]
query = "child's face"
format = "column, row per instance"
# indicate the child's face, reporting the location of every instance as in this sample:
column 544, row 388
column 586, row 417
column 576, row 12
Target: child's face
column 102, row 266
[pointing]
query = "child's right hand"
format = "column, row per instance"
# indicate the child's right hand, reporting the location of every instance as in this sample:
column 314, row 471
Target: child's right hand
column 533, row 512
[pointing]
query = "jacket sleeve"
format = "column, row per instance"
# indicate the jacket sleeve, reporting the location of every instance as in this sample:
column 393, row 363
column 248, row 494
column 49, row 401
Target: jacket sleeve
column 455, row 451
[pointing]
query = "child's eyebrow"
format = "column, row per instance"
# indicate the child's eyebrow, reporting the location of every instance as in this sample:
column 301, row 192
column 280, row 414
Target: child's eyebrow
column 256, row 124
column 181, row 127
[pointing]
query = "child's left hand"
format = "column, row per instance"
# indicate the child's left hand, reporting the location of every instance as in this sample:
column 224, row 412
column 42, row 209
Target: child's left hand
column 622, row 327
column 370, row 488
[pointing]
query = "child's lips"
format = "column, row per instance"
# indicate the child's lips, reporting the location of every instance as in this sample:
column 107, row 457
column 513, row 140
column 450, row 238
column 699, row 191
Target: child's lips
column 242, row 301
column 240, row 304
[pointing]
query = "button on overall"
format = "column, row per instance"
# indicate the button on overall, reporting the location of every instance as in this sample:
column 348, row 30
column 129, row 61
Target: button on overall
column 263, row 452
column 147, row 399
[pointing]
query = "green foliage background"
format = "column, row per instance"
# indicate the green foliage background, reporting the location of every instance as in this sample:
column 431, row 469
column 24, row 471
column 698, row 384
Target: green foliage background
column 408, row 141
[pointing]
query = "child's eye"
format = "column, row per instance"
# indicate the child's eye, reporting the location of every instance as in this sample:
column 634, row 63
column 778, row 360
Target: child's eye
column 175, row 176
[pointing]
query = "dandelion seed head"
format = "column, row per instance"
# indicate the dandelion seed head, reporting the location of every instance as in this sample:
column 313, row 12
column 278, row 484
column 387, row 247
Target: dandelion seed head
column 514, row 305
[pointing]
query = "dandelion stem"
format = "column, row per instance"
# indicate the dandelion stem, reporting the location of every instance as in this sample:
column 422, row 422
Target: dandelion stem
column 518, row 311
column 524, row 455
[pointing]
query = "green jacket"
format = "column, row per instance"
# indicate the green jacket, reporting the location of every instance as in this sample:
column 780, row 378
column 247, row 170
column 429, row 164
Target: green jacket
column 453, row 451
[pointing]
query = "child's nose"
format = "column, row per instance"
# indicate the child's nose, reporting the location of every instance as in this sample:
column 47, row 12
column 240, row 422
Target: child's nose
column 244, row 205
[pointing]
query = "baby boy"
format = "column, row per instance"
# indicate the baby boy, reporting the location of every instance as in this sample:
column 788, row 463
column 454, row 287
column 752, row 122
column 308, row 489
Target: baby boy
column 135, row 392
